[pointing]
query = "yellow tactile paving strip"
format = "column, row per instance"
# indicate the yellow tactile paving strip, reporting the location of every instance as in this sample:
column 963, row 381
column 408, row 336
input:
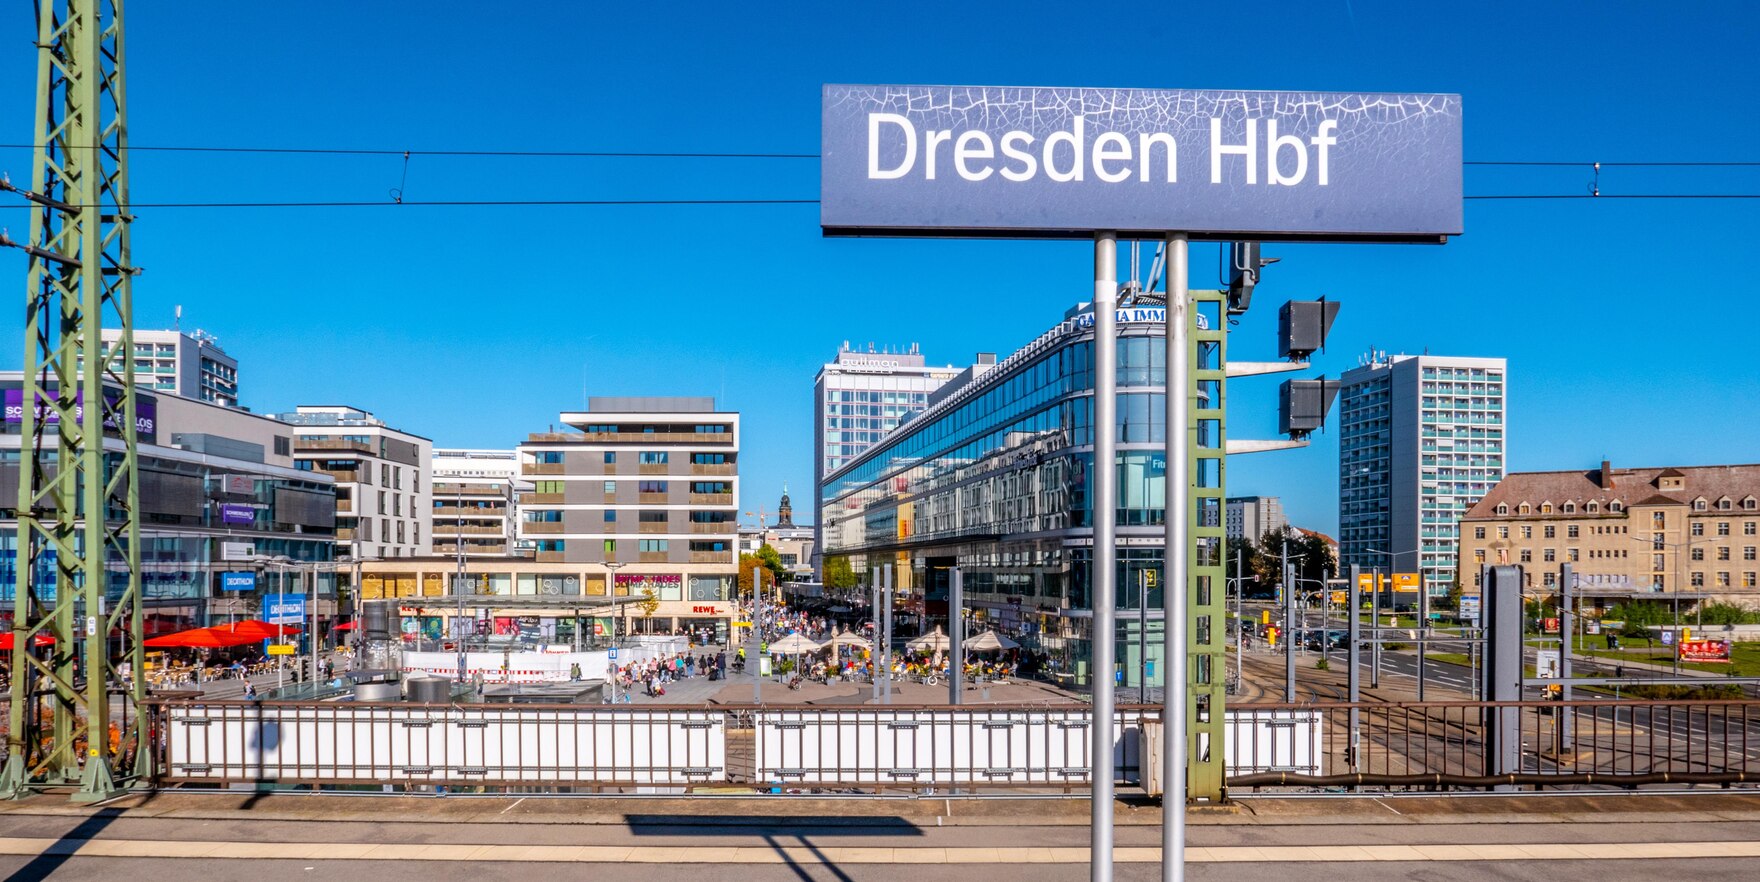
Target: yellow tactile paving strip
column 796, row 854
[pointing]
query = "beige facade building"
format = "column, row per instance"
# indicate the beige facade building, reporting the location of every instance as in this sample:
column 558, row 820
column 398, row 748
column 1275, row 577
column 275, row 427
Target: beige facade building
column 1691, row 531
column 476, row 498
column 644, row 489
column 576, row 589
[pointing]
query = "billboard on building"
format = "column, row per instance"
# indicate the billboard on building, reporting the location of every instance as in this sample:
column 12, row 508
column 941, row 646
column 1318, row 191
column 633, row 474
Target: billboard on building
column 146, row 411
column 1030, row 162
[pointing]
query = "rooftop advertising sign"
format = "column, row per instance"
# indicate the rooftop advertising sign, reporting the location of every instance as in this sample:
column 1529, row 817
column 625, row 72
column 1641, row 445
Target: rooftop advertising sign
column 1013, row 162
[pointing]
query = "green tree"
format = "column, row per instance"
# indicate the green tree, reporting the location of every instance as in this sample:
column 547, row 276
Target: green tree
column 839, row 575
column 772, row 561
column 1309, row 555
column 1247, row 554
column 1728, row 614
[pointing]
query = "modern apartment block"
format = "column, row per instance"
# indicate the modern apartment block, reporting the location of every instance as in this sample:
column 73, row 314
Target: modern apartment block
column 1250, row 517
column 644, row 490
column 176, row 363
column 476, row 501
column 384, row 491
column 861, row 396
column 219, row 495
column 1687, row 533
column 1422, row 439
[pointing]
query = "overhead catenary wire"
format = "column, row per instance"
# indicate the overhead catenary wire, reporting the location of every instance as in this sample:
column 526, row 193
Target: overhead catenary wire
column 543, row 203
column 735, row 154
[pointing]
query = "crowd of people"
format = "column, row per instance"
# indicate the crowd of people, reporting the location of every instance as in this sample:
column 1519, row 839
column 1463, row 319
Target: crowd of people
column 652, row 675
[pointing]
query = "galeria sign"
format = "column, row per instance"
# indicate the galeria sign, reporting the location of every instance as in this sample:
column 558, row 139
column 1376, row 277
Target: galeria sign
column 1041, row 162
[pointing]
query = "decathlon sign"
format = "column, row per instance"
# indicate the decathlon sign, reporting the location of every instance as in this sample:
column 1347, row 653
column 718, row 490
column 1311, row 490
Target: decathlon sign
column 1040, row 162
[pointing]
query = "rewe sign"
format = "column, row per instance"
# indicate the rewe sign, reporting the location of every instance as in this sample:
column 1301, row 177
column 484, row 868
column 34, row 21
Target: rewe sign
column 1043, row 162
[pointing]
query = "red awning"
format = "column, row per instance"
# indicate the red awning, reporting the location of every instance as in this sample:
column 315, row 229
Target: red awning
column 38, row 640
column 346, row 626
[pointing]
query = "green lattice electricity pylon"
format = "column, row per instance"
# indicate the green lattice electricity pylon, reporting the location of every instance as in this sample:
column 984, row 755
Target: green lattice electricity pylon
column 77, row 501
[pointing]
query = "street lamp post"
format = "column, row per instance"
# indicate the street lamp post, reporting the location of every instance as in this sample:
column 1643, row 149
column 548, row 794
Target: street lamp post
column 1375, row 618
column 1656, row 542
column 458, row 588
column 611, row 567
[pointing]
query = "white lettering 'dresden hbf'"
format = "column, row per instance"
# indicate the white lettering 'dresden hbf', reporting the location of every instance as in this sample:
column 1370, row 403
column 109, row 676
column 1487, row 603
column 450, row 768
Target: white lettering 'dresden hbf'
column 1067, row 156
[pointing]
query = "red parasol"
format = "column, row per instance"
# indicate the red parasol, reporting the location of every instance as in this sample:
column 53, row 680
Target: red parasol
column 256, row 628
column 203, row 638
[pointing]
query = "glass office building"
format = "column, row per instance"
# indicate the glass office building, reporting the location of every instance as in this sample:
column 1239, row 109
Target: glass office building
column 994, row 477
column 218, row 494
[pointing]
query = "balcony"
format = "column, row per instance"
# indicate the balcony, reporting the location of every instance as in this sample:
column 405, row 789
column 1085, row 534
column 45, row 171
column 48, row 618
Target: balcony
column 629, row 437
column 649, row 527
column 332, row 444
column 653, row 468
column 711, row 557
column 344, row 505
column 653, row 498
column 720, row 499
column 471, row 511
column 541, row 499
column 552, row 557
column 653, row 556
column 725, row 468
column 728, row 527
column 345, row 477
column 541, row 468
column 347, row 534
column 442, row 528
column 445, row 489
column 541, row 527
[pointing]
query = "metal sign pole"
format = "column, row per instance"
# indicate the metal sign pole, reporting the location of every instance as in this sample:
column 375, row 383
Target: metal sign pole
column 1176, row 575
column 956, row 626
column 757, row 635
column 1567, row 632
column 873, row 652
column 1289, row 626
column 1104, row 574
column 886, row 599
column 1375, row 630
column 1354, row 679
column 1143, row 635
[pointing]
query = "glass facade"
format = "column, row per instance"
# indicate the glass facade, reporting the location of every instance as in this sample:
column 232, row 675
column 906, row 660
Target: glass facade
column 190, row 509
column 995, row 478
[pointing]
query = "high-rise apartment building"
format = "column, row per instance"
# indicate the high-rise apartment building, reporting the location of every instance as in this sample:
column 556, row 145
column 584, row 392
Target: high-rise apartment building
column 861, row 396
column 176, row 363
column 645, row 491
column 476, row 501
column 384, row 495
column 1422, row 439
column 1250, row 517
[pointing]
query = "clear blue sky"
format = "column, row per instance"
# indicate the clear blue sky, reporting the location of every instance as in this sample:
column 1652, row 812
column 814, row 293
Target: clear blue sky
column 1629, row 326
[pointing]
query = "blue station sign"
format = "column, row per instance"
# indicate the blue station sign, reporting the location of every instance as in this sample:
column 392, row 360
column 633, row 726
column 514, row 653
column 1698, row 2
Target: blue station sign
column 1013, row 162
